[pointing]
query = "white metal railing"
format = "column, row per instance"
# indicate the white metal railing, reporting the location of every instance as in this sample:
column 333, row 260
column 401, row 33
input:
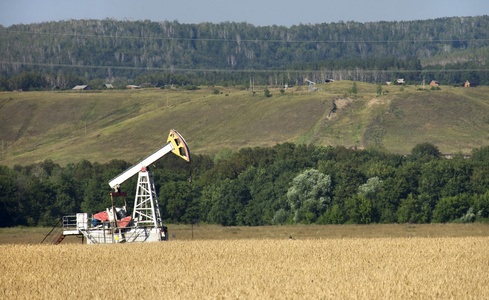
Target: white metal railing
column 69, row 221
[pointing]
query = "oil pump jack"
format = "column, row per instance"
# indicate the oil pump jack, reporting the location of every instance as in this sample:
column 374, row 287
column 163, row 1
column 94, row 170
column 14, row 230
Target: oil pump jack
column 114, row 225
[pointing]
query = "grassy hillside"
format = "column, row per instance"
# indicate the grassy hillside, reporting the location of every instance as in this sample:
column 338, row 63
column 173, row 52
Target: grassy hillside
column 129, row 124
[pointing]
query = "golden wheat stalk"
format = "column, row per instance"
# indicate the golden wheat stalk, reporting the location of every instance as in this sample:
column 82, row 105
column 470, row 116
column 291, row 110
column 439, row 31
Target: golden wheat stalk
column 377, row 268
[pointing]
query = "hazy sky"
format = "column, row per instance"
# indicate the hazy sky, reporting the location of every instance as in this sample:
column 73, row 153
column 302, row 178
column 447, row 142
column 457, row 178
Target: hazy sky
column 257, row 12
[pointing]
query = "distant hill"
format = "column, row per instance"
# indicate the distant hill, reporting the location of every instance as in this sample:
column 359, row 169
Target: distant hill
column 99, row 126
column 111, row 49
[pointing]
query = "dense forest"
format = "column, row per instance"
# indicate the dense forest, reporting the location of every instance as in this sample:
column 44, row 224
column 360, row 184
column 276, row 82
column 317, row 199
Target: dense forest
column 284, row 184
column 61, row 54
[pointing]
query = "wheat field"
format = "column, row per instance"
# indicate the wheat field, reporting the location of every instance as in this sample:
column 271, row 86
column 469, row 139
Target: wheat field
column 351, row 268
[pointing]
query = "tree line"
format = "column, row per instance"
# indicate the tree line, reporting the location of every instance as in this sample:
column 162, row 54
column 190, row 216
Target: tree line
column 283, row 184
column 366, row 70
column 35, row 81
column 233, row 52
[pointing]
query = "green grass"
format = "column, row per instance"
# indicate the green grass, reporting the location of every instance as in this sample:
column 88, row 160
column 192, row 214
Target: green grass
column 34, row 235
column 129, row 124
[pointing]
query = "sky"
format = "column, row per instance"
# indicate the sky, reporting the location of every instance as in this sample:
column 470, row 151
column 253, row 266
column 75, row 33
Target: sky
column 256, row 12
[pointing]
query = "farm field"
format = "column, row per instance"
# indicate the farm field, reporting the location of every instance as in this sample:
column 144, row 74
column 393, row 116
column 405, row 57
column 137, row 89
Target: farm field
column 34, row 235
column 339, row 268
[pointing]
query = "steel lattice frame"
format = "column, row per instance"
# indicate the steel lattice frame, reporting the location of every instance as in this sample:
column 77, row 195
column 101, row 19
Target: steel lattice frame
column 146, row 208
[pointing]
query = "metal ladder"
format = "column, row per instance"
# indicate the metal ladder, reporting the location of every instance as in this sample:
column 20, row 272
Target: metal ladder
column 59, row 238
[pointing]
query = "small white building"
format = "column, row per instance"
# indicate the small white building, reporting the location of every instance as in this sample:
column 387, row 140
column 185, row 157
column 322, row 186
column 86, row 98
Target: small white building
column 81, row 87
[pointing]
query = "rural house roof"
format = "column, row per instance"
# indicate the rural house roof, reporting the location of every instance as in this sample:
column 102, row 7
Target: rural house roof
column 80, row 87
